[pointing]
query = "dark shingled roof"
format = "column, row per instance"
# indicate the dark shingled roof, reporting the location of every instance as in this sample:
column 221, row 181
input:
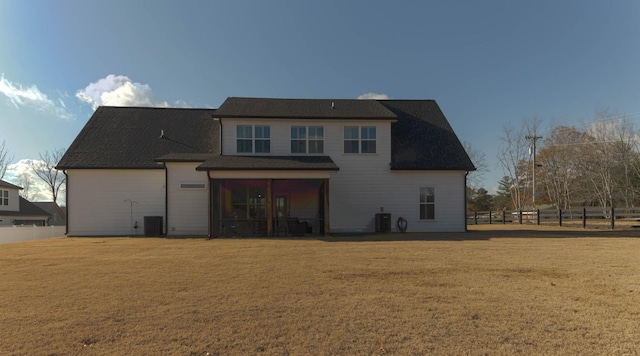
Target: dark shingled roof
column 27, row 208
column 303, row 109
column 5, row 184
column 130, row 137
column 58, row 214
column 185, row 157
column 423, row 139
column 312, row 163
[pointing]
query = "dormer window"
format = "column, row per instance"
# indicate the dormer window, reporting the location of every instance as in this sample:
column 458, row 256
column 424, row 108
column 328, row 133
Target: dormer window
column 253, row 139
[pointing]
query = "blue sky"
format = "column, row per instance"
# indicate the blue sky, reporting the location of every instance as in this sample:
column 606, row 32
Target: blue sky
column 487, row 63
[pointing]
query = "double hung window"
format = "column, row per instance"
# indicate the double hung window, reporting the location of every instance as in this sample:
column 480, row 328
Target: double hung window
column 359, row 139
column 253, row 139
column 427, row 203
column 307, row 139
column 4, row 198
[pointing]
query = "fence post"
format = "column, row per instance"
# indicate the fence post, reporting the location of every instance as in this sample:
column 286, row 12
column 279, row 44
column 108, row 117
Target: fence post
column 560, row 217
column 538, row 216
column 520, row 216
column 489, row 216
column 584, row 218
column 613, row 218
column 475, row 217
column 504, row 217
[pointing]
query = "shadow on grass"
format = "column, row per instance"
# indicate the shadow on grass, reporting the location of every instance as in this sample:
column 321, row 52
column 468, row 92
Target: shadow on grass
column 481, row 235
column 471, row 235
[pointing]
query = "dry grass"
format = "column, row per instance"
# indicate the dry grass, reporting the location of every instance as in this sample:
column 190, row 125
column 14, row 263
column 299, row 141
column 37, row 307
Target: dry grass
column 493, row 291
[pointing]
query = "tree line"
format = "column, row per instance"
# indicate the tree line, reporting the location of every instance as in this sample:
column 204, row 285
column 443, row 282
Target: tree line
column 566, row 167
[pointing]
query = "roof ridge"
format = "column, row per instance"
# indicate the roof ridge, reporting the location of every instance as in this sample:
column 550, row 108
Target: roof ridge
column 151, row 107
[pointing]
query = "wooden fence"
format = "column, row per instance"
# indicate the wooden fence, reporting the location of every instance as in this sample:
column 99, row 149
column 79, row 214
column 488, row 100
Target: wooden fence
column 27, row 233
column 584, row 217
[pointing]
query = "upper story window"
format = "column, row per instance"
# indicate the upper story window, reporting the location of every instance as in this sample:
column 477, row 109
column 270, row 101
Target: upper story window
column 253, row 139
column 359, row 139
column 427, row 203
column 307, row 139
column 4, row 197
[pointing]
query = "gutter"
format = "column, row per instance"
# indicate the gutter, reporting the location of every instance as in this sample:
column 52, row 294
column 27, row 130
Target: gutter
column 66, row 194
column 465, row 202
column 210, row 218
column 166, row 199
column 219, row 120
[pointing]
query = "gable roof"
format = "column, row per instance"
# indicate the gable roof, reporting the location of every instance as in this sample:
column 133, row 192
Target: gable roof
column 303, row 109
column 58, row 214
column 132, row 137
column 423, row 139
column 27, row 208
column 257, row 163
column 140, row 137
column 5, row 184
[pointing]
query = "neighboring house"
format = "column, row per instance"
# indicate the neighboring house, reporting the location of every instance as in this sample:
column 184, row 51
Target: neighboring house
column 263, row 167
column 58, row 213
column 15, row 210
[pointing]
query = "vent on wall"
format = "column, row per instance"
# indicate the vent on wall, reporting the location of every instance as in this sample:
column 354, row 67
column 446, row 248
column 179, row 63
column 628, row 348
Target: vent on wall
column 192, row 186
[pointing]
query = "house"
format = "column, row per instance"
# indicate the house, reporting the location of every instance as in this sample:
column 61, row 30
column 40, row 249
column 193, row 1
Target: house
column 58, row 213
column 265, row 167
column 15, row 210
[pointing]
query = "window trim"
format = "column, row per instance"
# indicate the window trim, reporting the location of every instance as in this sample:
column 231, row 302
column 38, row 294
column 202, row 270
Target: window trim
column 426, row 203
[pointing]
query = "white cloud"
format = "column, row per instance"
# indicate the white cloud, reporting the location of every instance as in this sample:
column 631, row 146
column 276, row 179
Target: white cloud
column 373, row 96
column 118, row 90
column 37, row 189
column 31, row 97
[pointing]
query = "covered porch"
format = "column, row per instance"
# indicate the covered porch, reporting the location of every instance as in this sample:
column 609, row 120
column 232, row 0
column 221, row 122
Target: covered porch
column 256, row 196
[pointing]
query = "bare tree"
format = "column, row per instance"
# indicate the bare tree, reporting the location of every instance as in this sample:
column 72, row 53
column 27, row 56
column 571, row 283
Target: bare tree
column 28, row 192
column 601, row 159
column 514, row 155
column 479, row 159
column 5, row 159
column 46, row 170
column 559, row 174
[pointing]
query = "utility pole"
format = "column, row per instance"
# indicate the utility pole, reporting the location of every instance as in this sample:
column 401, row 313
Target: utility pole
column 534, row 138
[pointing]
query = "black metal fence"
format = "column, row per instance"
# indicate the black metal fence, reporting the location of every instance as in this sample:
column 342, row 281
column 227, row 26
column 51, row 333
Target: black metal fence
column 584, row 217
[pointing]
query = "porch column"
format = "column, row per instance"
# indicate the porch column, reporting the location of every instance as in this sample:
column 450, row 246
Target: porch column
column 326, row 207
column 269, row 207
column 212, row 209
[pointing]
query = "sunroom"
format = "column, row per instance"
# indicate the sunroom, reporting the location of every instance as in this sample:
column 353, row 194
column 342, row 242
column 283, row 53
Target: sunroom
column 269, row 195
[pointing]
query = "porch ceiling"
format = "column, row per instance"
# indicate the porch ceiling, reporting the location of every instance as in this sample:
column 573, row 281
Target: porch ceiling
column 269, row 163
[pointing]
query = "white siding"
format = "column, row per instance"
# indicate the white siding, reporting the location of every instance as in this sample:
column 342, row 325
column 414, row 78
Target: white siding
column 188, row 210
column 354, row 201
column 365, row 182
column 14, row 200
column 99, row 200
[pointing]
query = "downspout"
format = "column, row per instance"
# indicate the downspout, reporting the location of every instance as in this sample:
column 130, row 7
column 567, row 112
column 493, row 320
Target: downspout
column 210, row 235
column 66, row 194
column 166, row 199
column 465, row 202
column 219, row 120
column 211, row 197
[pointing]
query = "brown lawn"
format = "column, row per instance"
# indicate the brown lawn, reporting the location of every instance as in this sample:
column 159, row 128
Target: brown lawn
column 498, row 291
